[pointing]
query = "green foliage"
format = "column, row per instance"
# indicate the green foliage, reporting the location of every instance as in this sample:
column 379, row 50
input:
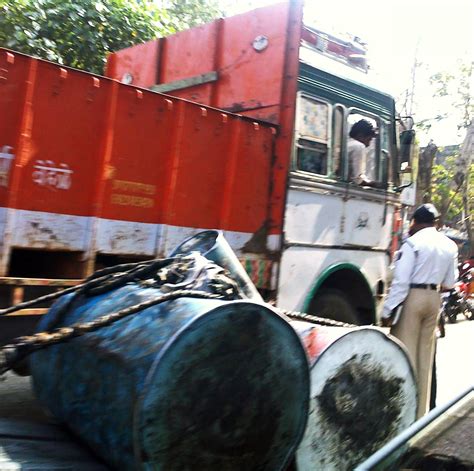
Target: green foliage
column 80, row 33
column 447, row 189
column 452, row 97
column 189, row 13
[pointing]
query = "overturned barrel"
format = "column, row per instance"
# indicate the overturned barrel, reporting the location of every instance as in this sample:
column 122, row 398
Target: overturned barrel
column 212, row 245
column 188, row 384
column 363, row 393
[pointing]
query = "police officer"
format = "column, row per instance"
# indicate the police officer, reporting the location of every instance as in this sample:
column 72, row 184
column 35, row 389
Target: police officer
column 425, row 264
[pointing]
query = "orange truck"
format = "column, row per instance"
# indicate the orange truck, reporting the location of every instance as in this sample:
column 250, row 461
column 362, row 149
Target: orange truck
column 239, row 125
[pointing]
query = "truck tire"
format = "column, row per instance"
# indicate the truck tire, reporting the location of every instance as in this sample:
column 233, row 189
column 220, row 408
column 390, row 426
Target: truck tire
column 334, row 304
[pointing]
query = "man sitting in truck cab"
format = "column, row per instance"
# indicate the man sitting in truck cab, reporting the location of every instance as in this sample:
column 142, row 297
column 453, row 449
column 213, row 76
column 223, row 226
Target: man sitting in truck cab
column 360, row 137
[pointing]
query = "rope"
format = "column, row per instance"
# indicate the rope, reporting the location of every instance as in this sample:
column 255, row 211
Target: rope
column 303, row 316
column 23, row 346
column 98, row 283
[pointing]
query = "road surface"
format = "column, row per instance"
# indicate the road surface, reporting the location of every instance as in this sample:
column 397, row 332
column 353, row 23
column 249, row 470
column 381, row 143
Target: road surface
column 455, row 360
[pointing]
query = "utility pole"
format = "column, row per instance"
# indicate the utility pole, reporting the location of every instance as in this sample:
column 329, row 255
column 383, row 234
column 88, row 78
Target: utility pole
column 416, row 64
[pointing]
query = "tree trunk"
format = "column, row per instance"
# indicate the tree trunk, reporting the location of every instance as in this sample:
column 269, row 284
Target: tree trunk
column 468, row 210
column 425, row 169
column 465, row 160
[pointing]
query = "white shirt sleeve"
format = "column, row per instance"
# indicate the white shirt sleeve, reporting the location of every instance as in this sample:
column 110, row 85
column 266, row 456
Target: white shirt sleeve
column 401, row 279
column 452, row 273
column 357, row 160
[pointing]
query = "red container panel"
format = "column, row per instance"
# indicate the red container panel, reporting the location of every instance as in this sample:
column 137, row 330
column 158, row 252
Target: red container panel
column 198, row 178
column 247, row 51
column 255, row 56
column 104, row 167
column 61, row 156
column 189, row 54
column 135, row 65
column 252, row 78
column 247, row 194
column 14, row 72
column 140, row 148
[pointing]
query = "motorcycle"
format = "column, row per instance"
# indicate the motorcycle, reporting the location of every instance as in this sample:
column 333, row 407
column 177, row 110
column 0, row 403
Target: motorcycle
column 469, row 295
column 459, row 300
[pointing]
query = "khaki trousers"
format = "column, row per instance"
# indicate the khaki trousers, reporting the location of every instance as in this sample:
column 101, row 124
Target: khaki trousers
column 416, row 329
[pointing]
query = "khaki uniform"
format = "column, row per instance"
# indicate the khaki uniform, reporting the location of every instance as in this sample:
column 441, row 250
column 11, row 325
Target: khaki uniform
column 426, row 262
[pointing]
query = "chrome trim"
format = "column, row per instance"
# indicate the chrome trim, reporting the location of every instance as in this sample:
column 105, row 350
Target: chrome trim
column 355, row 248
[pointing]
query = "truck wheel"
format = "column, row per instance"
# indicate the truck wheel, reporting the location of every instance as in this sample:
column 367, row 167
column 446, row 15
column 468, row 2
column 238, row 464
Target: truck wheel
column 334, row 304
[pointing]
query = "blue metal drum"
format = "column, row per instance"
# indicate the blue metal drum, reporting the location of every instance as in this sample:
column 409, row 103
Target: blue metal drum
column 190, row 384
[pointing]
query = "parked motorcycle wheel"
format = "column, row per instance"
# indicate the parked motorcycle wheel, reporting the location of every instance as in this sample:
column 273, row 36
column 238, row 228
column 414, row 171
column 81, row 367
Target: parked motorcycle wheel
column 451, row 314
column 469, row 311
column 441, row 325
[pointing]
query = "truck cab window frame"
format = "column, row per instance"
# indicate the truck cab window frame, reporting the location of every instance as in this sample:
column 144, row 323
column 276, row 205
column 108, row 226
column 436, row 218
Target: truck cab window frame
column 385, row 151
column 338, row 141
column 313, row 136
column 373, row 164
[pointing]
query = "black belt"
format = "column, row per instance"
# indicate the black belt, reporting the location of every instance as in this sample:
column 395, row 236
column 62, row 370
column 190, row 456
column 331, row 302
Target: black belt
column 424, row 286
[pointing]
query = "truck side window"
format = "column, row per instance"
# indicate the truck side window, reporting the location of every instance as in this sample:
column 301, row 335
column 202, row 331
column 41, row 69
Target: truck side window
column 312, row 136
column 371, row 163
column 337, row 140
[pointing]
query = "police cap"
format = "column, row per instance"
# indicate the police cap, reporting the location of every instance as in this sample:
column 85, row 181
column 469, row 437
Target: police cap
column 426, row 214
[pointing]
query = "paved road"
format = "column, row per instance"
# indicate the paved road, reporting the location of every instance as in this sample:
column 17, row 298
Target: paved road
column 455, row 360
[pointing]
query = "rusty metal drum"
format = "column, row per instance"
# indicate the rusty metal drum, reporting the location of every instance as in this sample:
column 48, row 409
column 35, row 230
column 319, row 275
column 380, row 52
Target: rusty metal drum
column 188, row 384
column 363, row 393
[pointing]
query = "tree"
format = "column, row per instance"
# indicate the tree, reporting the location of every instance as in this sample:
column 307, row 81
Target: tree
column 424, row 184
column 189, row 13
column 445, row 192
column 80, row 33
column 453, row 185
column 465, row 174
column 456, row 89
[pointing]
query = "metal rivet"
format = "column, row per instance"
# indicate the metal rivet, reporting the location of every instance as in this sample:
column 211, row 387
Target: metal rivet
column 225, row 118
column 260, row 43
column 127, row 78
column 203, row 112
column 169, row 105
column 95, row 82
column 62, row 73
column 139, row 94
column 10, row 58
